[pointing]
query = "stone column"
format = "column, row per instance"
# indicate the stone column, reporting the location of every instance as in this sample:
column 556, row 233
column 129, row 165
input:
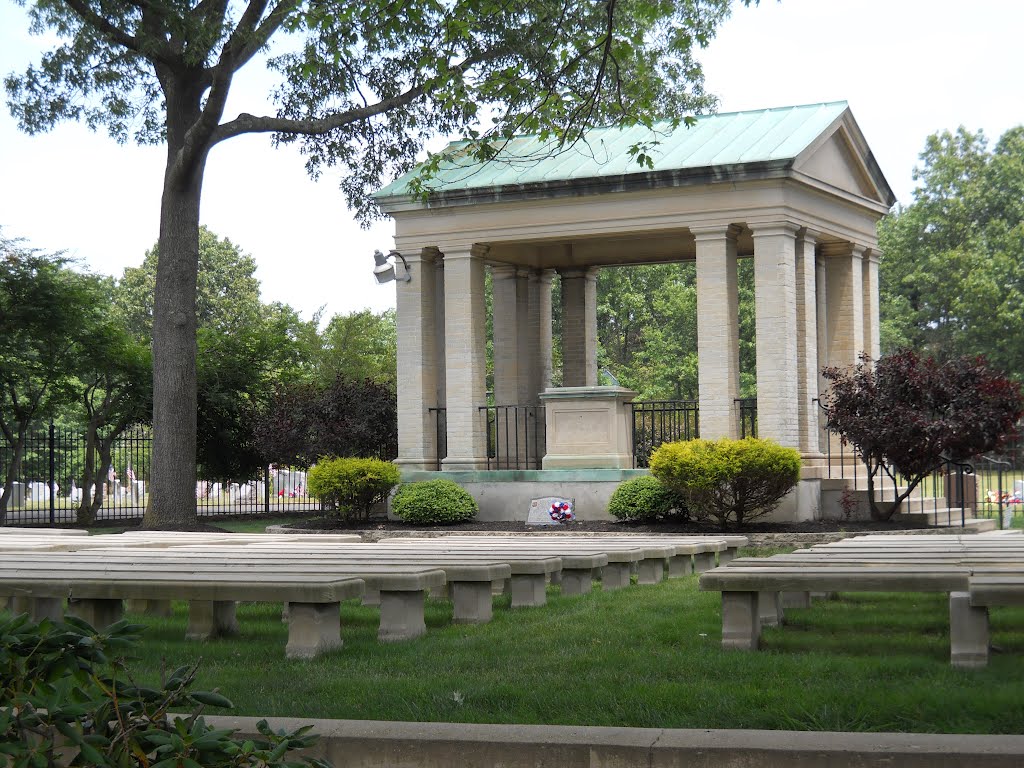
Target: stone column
column 579, row 327
column 823, row 354
column 718, row 351
column 506, row 338
column 418, row 363
column 872, row 340
column 541, row 308
column 775, row 308
column 807, row 343
column 465, row 358
column 590, row 326
column 528, row 337
column 845, row 312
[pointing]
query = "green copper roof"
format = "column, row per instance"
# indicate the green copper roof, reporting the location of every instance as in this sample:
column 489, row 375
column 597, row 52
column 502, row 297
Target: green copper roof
column 727, row 139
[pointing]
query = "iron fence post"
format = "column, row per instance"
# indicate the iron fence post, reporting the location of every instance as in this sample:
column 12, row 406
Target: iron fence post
column 53, row 485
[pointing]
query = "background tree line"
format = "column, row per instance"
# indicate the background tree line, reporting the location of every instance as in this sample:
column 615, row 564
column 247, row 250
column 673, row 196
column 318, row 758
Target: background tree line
column 77, row 352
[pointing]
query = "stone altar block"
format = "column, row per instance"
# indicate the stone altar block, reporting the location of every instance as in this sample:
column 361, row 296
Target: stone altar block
column 588, row 427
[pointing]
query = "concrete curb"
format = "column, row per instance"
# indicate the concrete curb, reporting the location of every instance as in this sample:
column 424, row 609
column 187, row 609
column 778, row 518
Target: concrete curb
column 380, row 744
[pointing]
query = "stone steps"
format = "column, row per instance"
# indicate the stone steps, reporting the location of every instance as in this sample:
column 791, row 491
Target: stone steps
column 948, row 517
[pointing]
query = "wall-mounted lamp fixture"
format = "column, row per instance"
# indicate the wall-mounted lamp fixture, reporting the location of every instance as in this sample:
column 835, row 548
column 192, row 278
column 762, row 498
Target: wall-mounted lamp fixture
column 385, row 271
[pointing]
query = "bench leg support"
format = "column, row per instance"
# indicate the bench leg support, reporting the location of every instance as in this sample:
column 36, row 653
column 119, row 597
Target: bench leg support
column 650, row 570
column 680, row 566
column 576, row 581
column 703, row 561
column 769, row 608
column 313, row 629
column 527, row 590
column 99, row 613
column 149, row 607
column 741, row 626
column 968, row 632
column 614, row 576
column 796, row 600
column 726, row 555
column 471, row 602
column 401, row 616
column 211, row 618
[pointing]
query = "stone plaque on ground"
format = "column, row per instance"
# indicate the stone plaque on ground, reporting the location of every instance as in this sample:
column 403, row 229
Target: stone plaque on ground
column 540, row 510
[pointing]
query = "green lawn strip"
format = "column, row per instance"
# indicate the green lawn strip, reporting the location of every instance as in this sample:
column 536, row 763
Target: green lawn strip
column 645, row 656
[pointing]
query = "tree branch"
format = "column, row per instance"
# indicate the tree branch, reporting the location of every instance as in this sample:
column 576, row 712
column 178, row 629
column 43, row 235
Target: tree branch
column 110, row 31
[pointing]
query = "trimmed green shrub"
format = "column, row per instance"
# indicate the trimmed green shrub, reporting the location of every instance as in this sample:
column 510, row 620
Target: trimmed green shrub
column 732, row 481
column 352, row 486
column 646, row 498
column 432, row 502
column 67, row 698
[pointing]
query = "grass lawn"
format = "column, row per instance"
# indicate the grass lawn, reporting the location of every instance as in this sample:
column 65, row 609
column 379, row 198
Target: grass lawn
column 645, row 656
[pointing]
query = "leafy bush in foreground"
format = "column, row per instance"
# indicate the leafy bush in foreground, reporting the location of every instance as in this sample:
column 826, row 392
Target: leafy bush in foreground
column 67, row 698
column 732, row 481
column 646, row 498
column 352, row 486
column 432, row 502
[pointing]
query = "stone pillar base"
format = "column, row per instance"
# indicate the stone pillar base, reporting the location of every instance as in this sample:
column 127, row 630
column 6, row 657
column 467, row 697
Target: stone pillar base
column 471, row 602
column 741, row 628
column 679, row 566
column 650, row 570
column 208, row 619
column 968, row 632
column 703, row 561
column 614, row 576
column 313, row 629
column 577, row 581
column 769, row 609
column 527, row 589
column 160, row 608
column 99, row 613
column 44, row 608
column 401, row 615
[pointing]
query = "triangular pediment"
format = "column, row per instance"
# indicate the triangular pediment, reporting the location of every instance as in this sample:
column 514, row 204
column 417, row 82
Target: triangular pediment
column 841, row 159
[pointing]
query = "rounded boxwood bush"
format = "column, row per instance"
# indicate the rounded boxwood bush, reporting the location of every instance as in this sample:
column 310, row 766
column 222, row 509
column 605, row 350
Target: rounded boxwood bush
column 732, row 481
column 645, row 498
column 352, row 485
column 432, row 502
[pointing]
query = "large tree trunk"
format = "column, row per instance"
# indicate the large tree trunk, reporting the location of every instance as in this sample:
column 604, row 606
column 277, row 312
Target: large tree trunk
column 173, row 482
column 13, row 469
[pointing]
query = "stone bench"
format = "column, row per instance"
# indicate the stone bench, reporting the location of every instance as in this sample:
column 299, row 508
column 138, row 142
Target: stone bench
column 742, row 586
column 314, row 626
column 984, row 591
column 402, row 587
column 15, row 531
column 528, row 567
column 683, row 555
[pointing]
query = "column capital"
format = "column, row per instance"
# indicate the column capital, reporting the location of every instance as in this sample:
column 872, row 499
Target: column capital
column 809, row 235
column 475, row 251
column 843, row 248
column 873, row 255
column 715, row 232
column 503, row 271
column 543, row 275
column 775, row 228
column 571, row 273
column 590, row 274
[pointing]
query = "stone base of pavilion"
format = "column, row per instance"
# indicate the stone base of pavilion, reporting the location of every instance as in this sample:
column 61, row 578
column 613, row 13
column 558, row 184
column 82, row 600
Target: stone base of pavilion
column 505, row 495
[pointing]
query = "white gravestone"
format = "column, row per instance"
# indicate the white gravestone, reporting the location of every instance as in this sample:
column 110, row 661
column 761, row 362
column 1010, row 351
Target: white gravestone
column 540, row 511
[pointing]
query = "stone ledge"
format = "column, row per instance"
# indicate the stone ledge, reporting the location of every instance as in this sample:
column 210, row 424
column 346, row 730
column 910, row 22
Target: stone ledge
column 373, row 744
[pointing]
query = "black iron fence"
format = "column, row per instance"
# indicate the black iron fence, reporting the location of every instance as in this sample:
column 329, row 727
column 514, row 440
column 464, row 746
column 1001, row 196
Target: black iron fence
column 52, row 484
column 748, row 416
column 516, row 436
column 662, row 421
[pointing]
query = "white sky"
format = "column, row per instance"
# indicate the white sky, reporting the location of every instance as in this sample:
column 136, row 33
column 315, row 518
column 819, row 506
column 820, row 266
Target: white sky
column 908, row 68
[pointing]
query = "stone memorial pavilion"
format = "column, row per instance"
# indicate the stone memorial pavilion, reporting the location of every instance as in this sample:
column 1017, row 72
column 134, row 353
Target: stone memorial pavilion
column 796, row 189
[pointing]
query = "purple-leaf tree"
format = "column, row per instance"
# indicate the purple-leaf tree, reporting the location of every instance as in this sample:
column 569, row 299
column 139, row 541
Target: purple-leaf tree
column 907, row 415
